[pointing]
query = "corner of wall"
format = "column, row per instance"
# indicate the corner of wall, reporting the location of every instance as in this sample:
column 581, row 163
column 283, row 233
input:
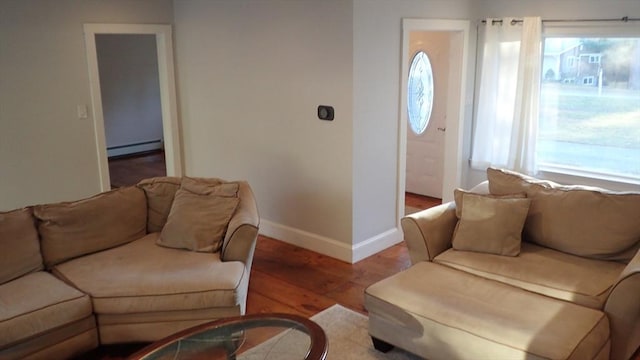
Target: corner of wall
column 331, row 247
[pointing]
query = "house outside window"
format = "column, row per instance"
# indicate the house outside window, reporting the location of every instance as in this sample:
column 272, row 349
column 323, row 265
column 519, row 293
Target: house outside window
column 589, row 122
column 594, row 59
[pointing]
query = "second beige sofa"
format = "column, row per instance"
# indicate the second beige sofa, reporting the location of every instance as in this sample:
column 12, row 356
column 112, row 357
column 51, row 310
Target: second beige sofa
column 569, row 290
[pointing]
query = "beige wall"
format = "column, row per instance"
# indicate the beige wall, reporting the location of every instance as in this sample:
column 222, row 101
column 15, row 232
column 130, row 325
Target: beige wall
column 46, row 153
column 250, row 77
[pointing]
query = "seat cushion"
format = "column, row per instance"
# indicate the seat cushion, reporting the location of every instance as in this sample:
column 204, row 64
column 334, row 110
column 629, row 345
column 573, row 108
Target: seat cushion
column 19, row 243
column 141, row 277
column 542, row 270
column 440, row 312
column 38, row 303
column 73, row 229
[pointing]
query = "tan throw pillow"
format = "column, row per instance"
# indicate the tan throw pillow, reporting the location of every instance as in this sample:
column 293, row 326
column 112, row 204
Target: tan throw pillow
column 491, row 225
column 20, row 246
column 579, row 220
column 199, row 216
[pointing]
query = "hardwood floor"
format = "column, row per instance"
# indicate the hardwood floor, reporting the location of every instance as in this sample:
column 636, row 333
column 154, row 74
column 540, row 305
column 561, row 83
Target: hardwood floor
column 286, row 278
column 129, row 170
column 420, row 201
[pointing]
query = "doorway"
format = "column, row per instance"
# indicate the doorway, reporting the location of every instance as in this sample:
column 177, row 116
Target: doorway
column 169, row 132
column 431, row 163
column 430, row 58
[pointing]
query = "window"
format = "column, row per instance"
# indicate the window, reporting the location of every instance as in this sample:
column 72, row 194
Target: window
column 571, row 61
column 588, row 80
column 591, row 127
column 420, row 92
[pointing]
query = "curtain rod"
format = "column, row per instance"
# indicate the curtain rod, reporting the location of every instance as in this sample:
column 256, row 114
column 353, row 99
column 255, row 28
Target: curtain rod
column 515, row 21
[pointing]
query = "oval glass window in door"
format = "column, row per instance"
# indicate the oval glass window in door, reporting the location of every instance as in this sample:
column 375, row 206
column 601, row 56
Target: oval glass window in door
column 420, row 92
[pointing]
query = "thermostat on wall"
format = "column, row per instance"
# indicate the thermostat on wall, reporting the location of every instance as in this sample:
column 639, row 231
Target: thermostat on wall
column 325, row 112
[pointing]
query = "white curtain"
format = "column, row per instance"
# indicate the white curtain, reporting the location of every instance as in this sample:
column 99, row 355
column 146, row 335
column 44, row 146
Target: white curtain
column 507, row 114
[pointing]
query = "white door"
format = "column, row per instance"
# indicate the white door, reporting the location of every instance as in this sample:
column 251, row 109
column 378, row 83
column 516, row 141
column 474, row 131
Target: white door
column 425, row 151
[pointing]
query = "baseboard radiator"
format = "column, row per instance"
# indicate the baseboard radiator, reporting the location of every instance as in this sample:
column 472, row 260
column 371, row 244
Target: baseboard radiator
column 134, row 148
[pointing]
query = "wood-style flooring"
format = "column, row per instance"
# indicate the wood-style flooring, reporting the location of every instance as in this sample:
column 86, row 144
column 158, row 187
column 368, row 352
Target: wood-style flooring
column 129, row 170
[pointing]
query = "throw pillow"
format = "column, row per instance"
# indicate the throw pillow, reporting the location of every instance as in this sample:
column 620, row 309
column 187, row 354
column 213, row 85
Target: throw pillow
column 491, row 225
column 199, row 216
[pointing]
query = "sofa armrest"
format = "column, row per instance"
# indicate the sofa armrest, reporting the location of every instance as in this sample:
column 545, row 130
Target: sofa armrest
column 242, row 232
column 623, row 309
column 429, row 232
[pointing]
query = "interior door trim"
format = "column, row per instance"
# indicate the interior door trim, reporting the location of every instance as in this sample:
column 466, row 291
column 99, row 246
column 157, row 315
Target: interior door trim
column 170, row 126
column 458, row 108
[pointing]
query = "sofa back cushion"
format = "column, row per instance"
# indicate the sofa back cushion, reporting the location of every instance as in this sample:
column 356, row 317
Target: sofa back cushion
column 20, row 246
column 160, row 192
column 109, row 219
column 579, row 220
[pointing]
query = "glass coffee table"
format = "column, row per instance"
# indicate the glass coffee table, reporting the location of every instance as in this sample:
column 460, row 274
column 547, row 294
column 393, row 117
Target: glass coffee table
column 249, row 337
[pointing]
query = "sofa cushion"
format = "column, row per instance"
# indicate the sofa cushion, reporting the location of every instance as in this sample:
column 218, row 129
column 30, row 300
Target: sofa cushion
column 199, row 216
column 579, row 220
column 141, row 277
column 109, row 219
column 19, row 243
column 37, row 303
column 542, row 270
column 159, row 192
column 490, row 225
column 442, row 313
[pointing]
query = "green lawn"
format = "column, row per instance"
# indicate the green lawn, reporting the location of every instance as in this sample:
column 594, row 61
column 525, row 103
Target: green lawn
column 578, row 114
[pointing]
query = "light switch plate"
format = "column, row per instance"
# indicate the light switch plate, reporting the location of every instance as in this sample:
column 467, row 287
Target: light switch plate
column 82, row 112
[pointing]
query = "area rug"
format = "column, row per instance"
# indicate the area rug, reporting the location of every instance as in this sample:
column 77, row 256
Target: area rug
column 349, row 339
column 347, row 334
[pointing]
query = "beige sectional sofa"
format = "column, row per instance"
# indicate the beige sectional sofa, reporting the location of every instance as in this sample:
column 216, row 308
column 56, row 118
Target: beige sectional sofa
column 130, row 265
column 517, row 268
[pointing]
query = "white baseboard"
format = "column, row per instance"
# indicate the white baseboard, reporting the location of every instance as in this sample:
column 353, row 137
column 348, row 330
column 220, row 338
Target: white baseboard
column 374, row 245
column 331, row 247
column 135, row 148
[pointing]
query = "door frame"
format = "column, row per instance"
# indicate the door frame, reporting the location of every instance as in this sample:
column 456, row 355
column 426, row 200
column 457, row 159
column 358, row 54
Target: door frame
column 169, row 107
column 459, row 105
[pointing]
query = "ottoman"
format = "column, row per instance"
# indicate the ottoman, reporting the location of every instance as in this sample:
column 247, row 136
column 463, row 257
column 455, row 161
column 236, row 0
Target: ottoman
column 439, row 312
